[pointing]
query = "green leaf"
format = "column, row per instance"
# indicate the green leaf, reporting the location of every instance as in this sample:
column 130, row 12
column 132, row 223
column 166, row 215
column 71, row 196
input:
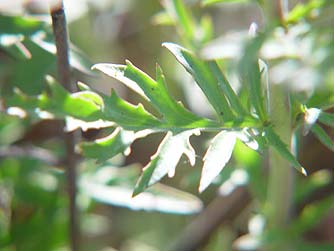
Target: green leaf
column 85, row 105
column 216, row 157
column 251, row 75
column 201, row 72
column 227, row 89
column 303, row 10
column 210, row 2
column 29, row 75
column 327, row 118
column 127, row 115
column 310, row 215
column 21, row 25
column 12, row 44
column 166, row 158
column 77, row 58
column 324, row 138
column 173, row 113
column 103, row 149
column 275, row 141
column 113, row 186
column 117, row 71
column 183, row 19
column 162, row 18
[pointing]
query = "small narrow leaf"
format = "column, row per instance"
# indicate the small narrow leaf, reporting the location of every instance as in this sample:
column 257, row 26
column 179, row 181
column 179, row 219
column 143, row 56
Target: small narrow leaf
column 166, row 158
column 216, row 157
column 210, row 2
column 276, row 142
column 183, row 19
column 251, row 74
column 201, row 72
column 324, row 138
column 227, row 89
column 327, row 119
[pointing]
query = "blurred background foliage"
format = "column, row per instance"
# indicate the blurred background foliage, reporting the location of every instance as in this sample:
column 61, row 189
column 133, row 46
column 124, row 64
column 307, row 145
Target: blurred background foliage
column 33, row 214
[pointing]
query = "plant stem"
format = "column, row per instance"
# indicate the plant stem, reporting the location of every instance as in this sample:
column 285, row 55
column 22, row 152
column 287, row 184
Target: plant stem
column 281, row 179
column 64, row 73
column 281, row 175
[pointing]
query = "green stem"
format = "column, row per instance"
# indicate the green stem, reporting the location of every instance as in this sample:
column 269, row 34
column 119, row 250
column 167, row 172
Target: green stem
column 280, row 184
column 281, row 178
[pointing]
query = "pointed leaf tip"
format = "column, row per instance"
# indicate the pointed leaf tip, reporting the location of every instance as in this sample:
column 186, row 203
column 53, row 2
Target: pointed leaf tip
column 216, row 157
column 165, row 160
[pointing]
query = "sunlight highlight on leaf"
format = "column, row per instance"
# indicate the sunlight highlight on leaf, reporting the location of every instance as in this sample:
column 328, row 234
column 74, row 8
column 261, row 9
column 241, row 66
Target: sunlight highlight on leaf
column 164, row 161
column 216, row 157
column 117, row 71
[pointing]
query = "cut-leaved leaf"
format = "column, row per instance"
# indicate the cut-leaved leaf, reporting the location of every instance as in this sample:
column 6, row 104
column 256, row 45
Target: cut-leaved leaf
column 216, row 157
column 118, row 142
column 173, row 113
column 166, row 158
column 201, row 73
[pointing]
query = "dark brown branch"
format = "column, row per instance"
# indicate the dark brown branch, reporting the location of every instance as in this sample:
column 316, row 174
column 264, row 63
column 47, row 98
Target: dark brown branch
column 64, row 74
column 219, row 211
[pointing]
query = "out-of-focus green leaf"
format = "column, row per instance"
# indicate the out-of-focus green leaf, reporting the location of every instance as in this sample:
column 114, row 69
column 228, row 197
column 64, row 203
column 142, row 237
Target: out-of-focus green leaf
column 166, row 158
column 159, row 198
column 162, row 18
column 210, row 2
column 12, row 44
column 310, row 215
column 324, row 138
column 326, row 118
column 29, row 75
column 21, row 25
column 85, row 105
column 216, row 157
column 275, row 141
column 77, row 59
column 183, row 20
column 250, row 71
column 303, row 10
column 118, row 142
column 200, row 71
column 311, row 246
column 11, row 129
column 207, row 29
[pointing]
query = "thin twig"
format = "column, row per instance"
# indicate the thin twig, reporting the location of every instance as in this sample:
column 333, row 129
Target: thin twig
column 64, row 74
